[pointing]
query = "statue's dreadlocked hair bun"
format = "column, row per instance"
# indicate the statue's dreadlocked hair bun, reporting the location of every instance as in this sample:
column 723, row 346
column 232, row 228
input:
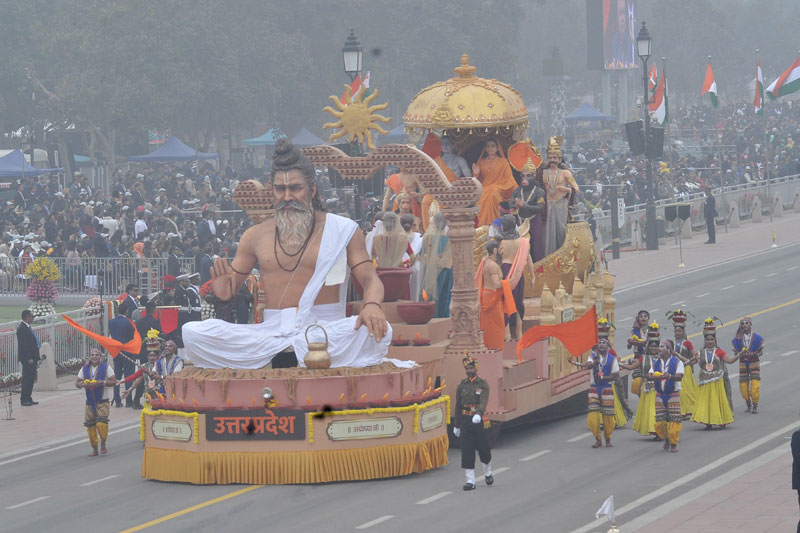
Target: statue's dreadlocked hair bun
column 287, row 156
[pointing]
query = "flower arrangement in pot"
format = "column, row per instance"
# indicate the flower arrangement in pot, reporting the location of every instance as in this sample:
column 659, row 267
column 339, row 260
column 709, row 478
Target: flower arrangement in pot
column 43, row 273
column 206, row 308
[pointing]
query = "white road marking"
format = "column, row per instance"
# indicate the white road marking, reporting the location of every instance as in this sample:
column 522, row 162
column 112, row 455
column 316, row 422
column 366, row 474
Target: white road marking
column 99, row 480
column 771, row 274
column 790, row 269
column 790, row 352
column 731, row 376
column 533, row 456
column 433, row 498
column 625, row 319
column 696, row 494
column 580, row 437
column 375, row 522
column 61, row 447
column 679, row 303
column 749, row 280
column 700, row 269
column 703, row 295
column 702, row 471
column 23, row 504
column 728, row 287
column 765, row 363
column 655, row 310
column 494, row 473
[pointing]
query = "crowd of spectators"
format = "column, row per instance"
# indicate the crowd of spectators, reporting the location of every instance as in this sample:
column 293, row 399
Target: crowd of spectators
column 699, row 141
column 179, row 211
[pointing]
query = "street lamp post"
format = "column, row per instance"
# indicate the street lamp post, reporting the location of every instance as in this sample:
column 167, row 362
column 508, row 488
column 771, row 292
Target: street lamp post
column 644, row 45
column 352, row 53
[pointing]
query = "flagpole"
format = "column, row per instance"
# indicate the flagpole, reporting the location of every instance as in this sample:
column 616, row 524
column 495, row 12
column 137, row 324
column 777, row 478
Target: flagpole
column 766, row 144
column 718, row 136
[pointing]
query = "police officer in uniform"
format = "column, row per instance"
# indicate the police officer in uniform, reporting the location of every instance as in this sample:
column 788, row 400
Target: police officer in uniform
column 193, row 298
column 472, row 396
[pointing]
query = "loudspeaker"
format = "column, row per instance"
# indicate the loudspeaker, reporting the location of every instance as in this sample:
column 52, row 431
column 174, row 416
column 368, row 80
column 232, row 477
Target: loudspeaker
column 634, row 131
column 655, row 144
column 684, row 211
column 670, row 212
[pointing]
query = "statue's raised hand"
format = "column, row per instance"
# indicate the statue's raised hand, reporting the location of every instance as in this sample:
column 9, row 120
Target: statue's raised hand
column 222, row 282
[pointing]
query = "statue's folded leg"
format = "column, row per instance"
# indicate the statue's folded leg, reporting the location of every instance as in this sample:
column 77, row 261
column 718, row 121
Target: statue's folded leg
column 347, row 346
column 218, row 344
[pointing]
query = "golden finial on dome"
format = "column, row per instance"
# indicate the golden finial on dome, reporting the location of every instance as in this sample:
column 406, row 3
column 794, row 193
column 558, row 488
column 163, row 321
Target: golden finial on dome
column 465, row 70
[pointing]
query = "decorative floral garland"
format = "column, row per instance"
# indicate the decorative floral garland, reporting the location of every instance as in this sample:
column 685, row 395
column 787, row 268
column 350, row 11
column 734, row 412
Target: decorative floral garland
column 165, row 412
column 417, row 407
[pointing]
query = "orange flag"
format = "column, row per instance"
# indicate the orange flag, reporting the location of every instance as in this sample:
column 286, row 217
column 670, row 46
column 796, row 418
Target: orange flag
column 113, row 346
column 578, row 336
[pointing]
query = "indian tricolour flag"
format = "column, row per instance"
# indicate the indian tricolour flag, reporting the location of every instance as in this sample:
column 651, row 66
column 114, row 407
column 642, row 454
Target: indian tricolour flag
column 758, row 101
column 787, row 83
column 710, row 86
column 652, row 80
column 659, row 108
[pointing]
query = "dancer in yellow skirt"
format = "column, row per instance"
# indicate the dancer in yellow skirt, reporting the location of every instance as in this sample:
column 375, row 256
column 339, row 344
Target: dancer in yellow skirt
column 749, row 347
column 712, row 407
column 684, row 350
column 645, row 420
column 605, row 371
column 667, row 373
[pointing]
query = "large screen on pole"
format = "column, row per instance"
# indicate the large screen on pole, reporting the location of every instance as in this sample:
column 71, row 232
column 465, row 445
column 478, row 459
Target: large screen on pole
column 619, row 34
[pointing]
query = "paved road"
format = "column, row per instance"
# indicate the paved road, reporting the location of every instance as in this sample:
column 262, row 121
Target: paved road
column 547, row 477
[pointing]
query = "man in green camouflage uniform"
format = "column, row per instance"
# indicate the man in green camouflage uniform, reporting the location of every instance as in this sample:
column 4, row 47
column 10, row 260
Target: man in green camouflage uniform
column 472, row 396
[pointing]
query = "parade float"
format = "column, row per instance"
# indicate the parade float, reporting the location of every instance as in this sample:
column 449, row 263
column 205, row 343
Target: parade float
column 309, row 425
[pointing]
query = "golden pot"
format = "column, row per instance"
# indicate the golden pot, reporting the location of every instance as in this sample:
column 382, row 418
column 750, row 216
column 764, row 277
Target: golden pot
column 317, row 356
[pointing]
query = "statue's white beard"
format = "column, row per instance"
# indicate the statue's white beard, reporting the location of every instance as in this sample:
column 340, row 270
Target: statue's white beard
column 294, row 225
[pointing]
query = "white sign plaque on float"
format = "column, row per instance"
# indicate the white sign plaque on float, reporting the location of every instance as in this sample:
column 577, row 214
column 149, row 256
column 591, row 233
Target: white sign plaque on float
column 365, row 428
column 171, row 430
column 620, row 212
column 431, row 418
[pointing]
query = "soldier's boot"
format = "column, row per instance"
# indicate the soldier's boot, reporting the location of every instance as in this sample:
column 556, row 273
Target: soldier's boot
column 470, row 484
column 487, row 473
column 749, row 407
column 755, row 408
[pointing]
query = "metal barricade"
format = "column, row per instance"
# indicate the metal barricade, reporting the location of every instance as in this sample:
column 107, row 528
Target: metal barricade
column 68, row 344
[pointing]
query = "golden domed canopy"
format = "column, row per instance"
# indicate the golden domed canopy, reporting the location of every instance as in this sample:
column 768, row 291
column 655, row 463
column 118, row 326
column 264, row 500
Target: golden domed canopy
column 466, row 102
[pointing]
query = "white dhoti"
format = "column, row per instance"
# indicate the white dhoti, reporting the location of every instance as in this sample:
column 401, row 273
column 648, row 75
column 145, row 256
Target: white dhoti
column 219, row 344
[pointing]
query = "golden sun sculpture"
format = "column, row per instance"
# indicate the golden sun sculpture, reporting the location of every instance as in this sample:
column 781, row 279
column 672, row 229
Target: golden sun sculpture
column 357, row 118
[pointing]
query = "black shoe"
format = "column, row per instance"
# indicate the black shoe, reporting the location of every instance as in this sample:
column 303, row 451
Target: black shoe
column 137, row 406
column 31, row 402
column 469, row 486
column 26, row 403
column 118, row 404
column 489, row 480
column 129, row 404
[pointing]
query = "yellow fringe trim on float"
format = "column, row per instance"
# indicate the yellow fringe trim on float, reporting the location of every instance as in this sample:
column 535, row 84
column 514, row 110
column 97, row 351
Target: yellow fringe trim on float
column 165, row 412
column 278, row 468
column 417, row 407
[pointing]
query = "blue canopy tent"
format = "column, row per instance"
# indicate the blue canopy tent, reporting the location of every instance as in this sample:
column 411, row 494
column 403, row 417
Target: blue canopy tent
column 306, row 138
column 396, row 135
column 587, row 113
column 269, row 138
column 173, row 150
column 13, row 165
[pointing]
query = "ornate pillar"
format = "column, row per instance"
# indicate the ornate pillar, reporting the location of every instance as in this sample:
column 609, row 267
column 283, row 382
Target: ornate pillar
column 465, row 310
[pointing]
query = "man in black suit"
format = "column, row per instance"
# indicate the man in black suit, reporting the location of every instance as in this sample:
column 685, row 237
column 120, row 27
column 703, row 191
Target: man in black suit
column 130, row 301
column 206, row 262
column 796, row 467
column 710, row 214
column 173, row 263
column 121, row 328
column 206, row 229
column 28, row 355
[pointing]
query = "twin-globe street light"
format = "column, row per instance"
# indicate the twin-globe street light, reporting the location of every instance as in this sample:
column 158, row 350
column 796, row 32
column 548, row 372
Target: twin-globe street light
column 644, row 45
